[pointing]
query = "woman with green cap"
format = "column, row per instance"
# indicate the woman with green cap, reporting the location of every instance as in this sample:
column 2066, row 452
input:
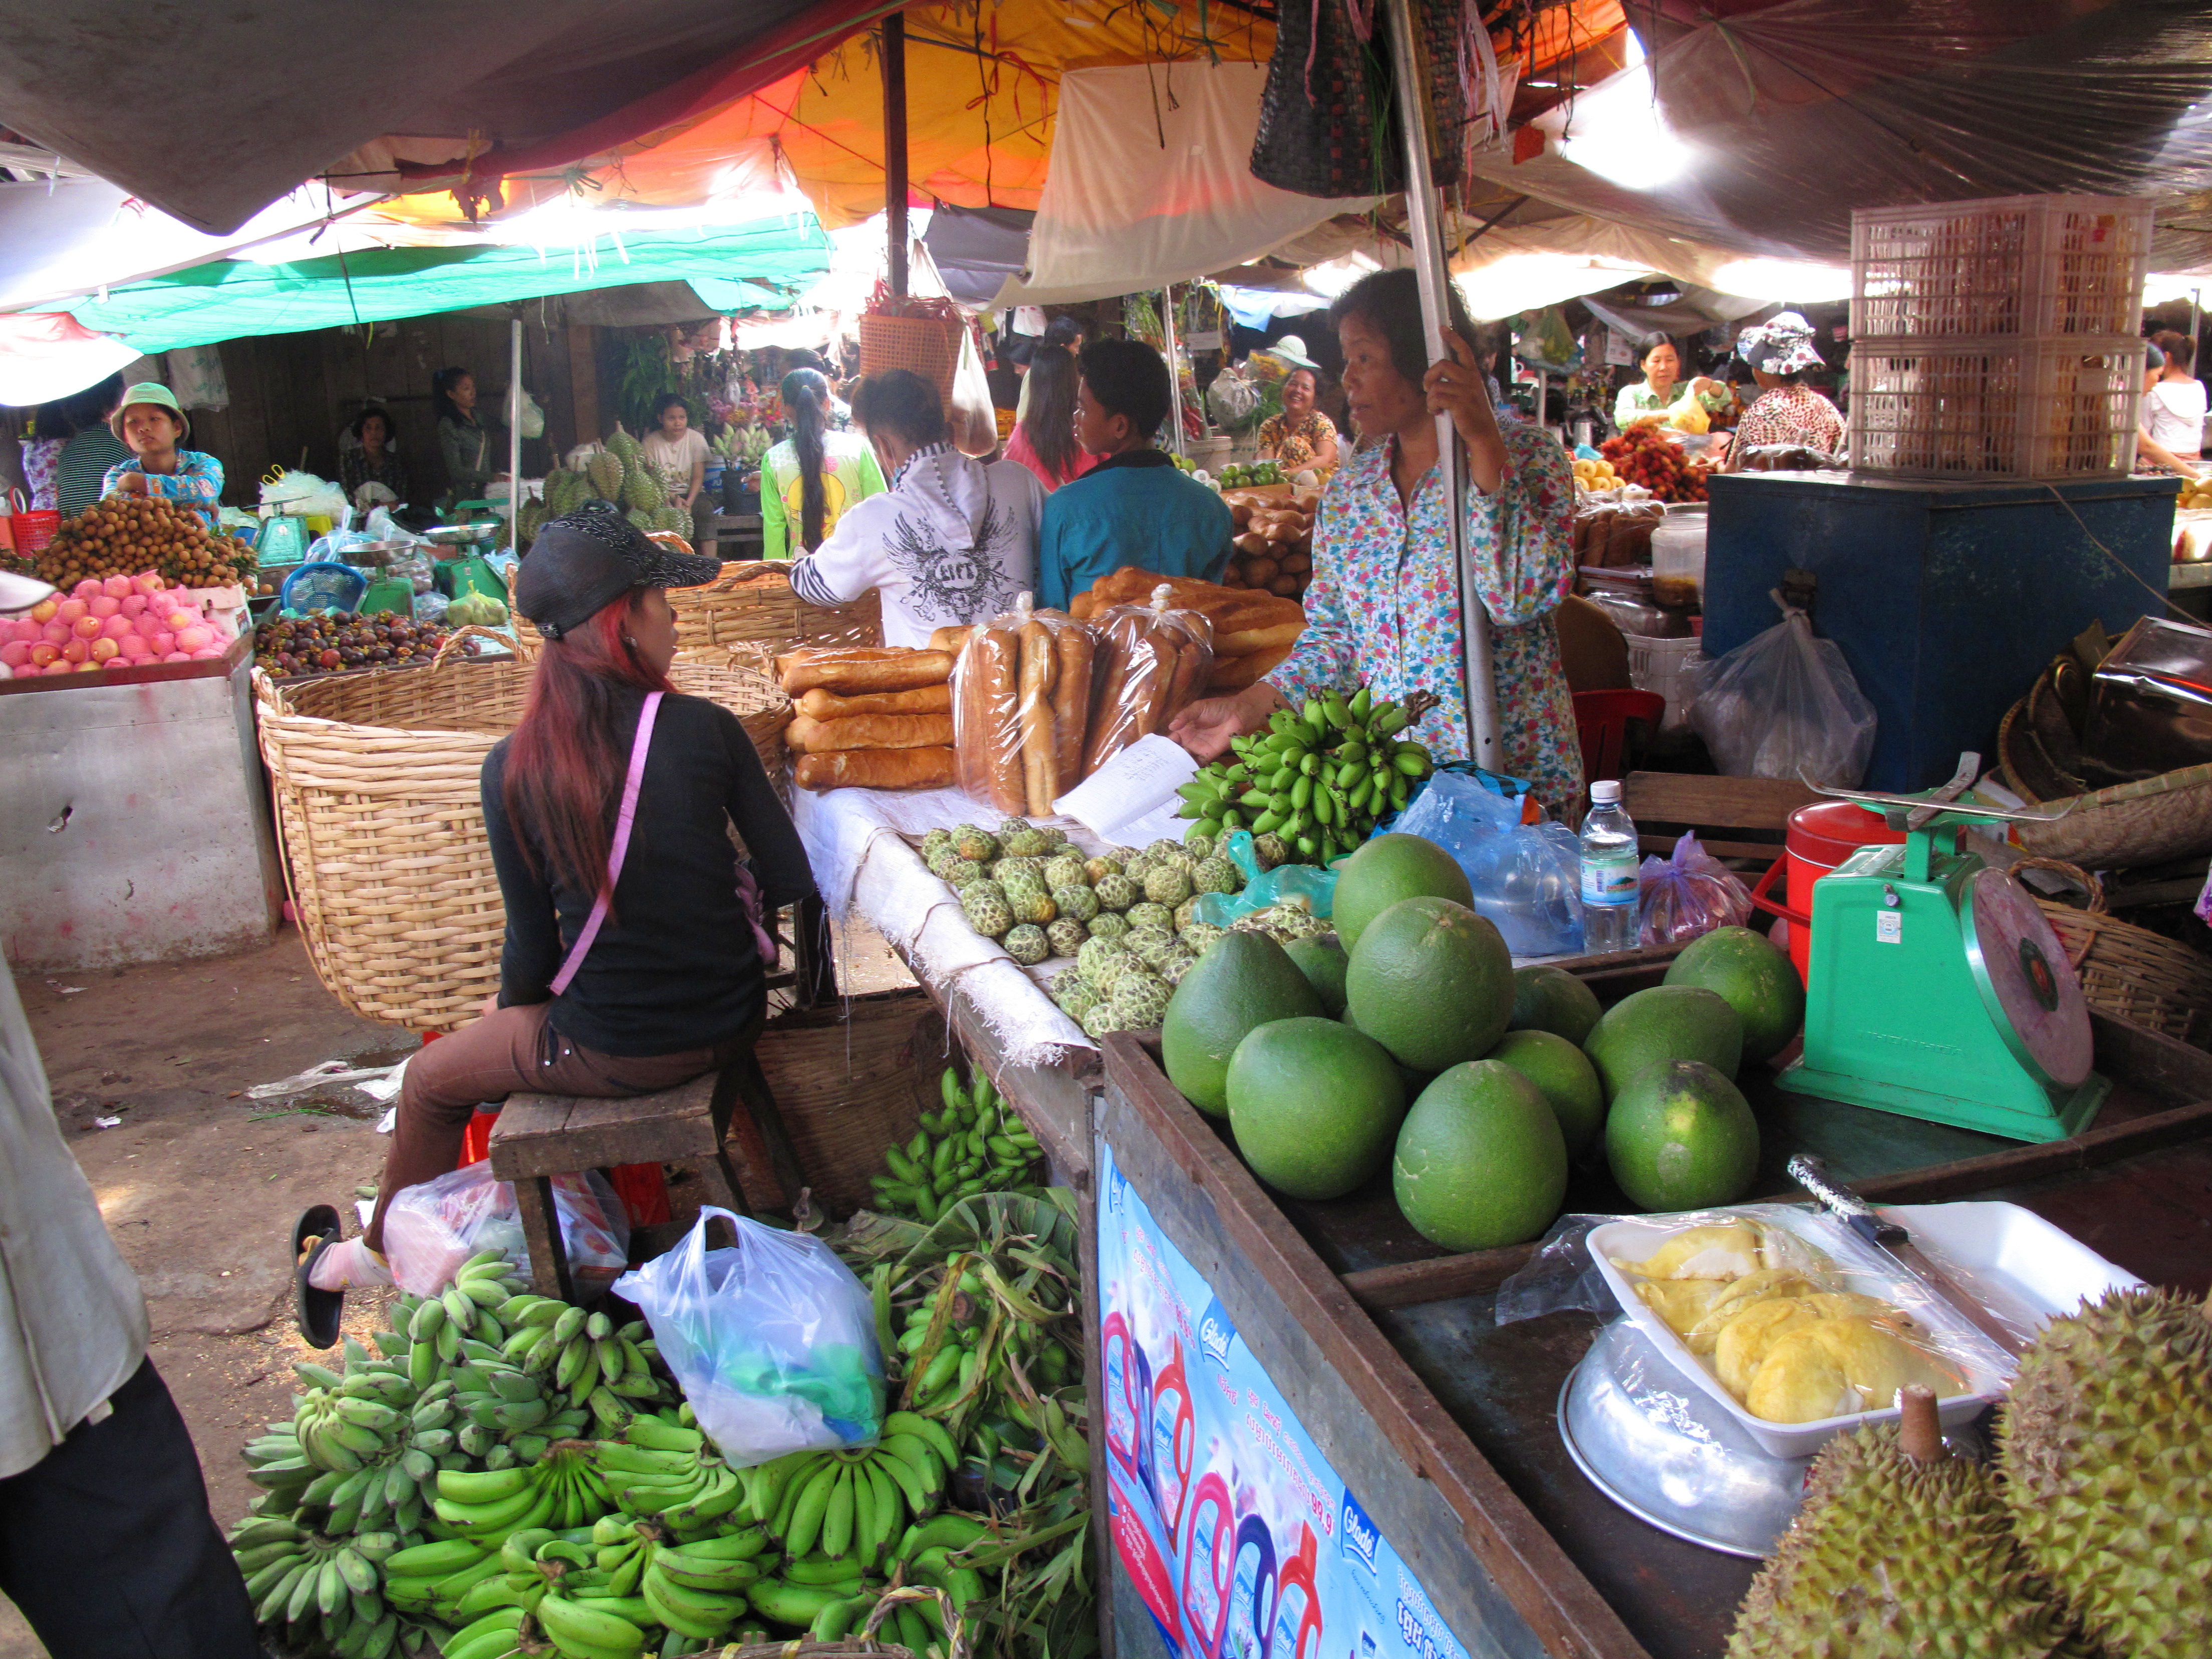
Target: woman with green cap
column 152, row 425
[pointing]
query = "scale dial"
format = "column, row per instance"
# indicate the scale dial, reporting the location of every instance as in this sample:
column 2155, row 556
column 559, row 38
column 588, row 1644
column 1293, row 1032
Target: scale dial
column 2032, row 993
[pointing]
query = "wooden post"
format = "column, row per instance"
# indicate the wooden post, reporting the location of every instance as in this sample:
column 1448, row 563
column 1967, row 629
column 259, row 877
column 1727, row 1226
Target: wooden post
column 893, row 46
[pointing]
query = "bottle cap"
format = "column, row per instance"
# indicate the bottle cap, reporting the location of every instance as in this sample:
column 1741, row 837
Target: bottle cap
column 1605, row 793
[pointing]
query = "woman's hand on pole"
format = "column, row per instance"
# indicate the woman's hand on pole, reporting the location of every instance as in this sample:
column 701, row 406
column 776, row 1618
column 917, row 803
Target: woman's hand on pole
column 1205, row 727
column 1457, row 387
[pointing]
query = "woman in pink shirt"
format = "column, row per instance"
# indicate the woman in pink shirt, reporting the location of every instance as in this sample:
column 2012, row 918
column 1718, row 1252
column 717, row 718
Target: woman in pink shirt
column 1044, row 438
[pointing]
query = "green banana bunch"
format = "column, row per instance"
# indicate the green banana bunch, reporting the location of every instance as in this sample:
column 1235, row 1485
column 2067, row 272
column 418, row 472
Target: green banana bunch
column 561, row 1490
column 975, row 1145
column 1321, row 778
column 667, row 1470
column 582, row 1631
column 583, row 1356
column 317, row 1585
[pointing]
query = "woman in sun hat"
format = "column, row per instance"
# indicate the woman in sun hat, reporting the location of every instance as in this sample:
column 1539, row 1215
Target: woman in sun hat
column 1779, row 353
column 152, row 425
column 1301, row 436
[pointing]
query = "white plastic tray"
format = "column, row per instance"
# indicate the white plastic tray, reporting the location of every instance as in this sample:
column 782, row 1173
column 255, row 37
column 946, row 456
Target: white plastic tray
column 2025, row 1269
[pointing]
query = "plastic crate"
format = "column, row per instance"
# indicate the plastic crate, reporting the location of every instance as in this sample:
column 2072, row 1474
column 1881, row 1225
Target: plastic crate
column 2052, row 408
column 2023, row 266
column 1664, row 666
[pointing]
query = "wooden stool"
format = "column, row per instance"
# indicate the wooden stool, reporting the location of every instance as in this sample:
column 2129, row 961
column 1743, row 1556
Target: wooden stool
column 694, row 1127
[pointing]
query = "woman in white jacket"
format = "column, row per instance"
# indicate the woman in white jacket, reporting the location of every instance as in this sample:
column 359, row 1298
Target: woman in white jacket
column 950, row 543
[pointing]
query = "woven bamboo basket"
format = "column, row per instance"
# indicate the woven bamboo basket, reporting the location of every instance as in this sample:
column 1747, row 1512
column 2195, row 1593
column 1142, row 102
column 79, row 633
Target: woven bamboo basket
column 2147, row 822
column 930, row 346
column 376, row 780
column 2130, row 972
column 864, row 1643
column 751, row 603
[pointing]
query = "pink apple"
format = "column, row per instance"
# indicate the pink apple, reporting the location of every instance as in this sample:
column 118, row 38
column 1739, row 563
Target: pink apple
column 45, row 655
column 75, row 651
column 70, row 610
column 103, row 649
column 116, row 586
column 149, row 581
column 86, row 628
column 177, row 656
column 90, row 588
column 133, row 644
column 140, row 659
column 62, row 668
column 15, row 654
column 207, row 654
column 56, row 632
column 196, row 638
column 104, row 607
column 161, row 641
column 89, row 666
column 178, row 616
column 133, row 604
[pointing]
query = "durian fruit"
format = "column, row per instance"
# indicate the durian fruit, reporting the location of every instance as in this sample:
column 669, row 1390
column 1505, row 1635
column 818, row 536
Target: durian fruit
column 2106, row 1448
column 604, row 471
column 641, row 492
column 1894, row 1556
column 625, row 448
column 643, row 520
column 673, row 519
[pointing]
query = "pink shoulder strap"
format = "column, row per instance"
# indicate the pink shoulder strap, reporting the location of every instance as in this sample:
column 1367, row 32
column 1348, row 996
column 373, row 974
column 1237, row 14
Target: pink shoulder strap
column 624, row 820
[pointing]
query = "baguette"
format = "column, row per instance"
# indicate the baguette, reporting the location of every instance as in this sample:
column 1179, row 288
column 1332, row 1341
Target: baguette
column 1078, row 648
column 949, row 639
column 808, row 736
column 1235, row 673
column 851, row 671
column 998, row 731
column 1040, row 669
column 874, row 768
column 824, row 705
column 1193, row 662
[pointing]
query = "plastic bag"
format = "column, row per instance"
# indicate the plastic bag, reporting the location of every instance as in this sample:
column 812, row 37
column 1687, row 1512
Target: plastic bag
column 533, row 422
column 1689, row 895
column 1233, row 399
column 973, row 422
column 1021, row 708
column 1153, row 660
column 1528, row 882
column 429, row 1230
column 1461, row 811
column 772, row 1340
column 304, row 495
column 1263, row 890
column 1784, row 704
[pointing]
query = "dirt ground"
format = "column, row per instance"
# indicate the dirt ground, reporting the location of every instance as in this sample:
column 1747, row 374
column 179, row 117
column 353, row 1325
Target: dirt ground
column 200, row 1185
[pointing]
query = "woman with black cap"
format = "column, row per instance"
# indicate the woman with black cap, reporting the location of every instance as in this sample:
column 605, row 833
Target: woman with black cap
column 636, row 953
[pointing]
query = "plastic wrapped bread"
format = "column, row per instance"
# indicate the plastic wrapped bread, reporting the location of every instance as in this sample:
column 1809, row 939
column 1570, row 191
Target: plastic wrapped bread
column 1021, row 708
column 1152, row 660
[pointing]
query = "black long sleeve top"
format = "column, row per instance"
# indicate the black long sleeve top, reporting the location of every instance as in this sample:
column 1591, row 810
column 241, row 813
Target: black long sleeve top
column 675, row 966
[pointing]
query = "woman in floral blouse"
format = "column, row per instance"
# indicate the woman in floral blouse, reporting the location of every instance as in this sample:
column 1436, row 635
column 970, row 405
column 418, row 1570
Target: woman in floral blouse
column 1384, row 606
column 1780, row 353
column 1301, row 436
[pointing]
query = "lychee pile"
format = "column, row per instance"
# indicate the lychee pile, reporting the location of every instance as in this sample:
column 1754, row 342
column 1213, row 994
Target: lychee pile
column 117, row 621
column 126, row 533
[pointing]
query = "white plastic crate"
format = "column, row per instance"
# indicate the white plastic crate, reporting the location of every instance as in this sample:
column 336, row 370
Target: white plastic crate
column 1664, row 665
column 2050, row 408
column 2021, row 265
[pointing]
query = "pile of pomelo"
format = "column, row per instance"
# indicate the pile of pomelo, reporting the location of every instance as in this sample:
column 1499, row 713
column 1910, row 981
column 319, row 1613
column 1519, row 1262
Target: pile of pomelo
column 1407, row 1038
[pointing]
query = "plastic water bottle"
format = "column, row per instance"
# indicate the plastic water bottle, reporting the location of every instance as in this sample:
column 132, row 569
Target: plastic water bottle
column 1609, row 863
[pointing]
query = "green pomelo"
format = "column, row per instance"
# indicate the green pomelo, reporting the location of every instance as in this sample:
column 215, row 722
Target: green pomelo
column 1480, row 1161
column 1321, row 958
column 1431, row 981
column 1668, row 1022
column 1567, row 1079
column 1681, row 1136
column 1242, row 982
column 1313, row 1105
column 1389, row 869
column 1748, row 974
column 1547, row 998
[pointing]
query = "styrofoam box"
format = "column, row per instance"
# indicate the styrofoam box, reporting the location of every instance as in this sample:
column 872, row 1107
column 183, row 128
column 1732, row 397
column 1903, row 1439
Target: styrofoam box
column 2024, row 1269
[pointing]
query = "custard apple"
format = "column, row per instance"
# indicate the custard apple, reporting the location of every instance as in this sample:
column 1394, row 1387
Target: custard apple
column 1179, row 961
column 1167, row 883
column 1115, row 892
column 1097, row 870
column 1152, row 914
column 1023, row 842
column 1216, row 875
column 1271, row 849
column 1103, row 962
column 1200, row 847
column 936, row 841
column 984, row 903
column 974, row 842
column 1076, row 900
column 1108, row 926
column 1065, row 870
column 1030, row 903
column 1200, row 935
column 1066, row 936
column 1025, row 943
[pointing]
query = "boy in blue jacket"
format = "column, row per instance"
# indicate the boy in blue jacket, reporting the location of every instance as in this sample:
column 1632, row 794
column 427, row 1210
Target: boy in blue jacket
column 1136, row 508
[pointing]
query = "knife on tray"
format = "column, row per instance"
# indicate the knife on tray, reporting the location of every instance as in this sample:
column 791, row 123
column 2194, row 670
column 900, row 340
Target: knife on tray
column 1810, row 1173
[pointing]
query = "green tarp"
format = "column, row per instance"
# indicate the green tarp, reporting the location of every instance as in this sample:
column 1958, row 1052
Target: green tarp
column 763, row 265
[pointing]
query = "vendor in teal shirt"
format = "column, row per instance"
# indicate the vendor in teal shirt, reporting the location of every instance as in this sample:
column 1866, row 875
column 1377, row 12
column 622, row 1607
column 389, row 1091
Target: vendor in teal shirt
column 1136, row 508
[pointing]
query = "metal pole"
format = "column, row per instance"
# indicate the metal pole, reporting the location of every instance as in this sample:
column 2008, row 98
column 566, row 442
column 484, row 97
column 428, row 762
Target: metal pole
column 1175, row 376
column 1422, row 221
column 514, row 440
column 895, row 149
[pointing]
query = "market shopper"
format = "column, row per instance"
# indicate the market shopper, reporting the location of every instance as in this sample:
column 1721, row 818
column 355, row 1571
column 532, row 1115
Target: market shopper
column 809, row 479
column 463, row 441
column 81, row 468
column 151, row 423
column 608, row 987
column 106, row 1546
column 951, row 542
column 1779, row 353
column 2173, row 407
column 1043, row 439
column 1301, row 436
column 1662, row 390
column 1383, row 609
column 1136, row 508
column 373, row 457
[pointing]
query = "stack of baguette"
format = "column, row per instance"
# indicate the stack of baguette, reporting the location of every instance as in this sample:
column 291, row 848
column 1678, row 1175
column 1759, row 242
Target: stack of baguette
column 869, row 718
column 1023, row 699
column 1153, row 659
column 1253, row 632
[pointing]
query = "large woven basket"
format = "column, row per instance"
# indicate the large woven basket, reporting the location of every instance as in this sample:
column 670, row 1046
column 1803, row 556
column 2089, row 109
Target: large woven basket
column 751, row 603
column 2130, row 972
column 375, row 779
column 930, row 346
column 2147, row 822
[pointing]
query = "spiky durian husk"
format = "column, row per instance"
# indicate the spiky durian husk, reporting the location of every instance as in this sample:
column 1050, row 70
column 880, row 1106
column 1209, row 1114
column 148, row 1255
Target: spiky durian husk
column 2106, row 1452
column 1891, row 1559
column 605, row 472
column 642, row 491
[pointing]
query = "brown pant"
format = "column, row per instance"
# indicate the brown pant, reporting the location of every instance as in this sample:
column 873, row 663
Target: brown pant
column 509, row 1051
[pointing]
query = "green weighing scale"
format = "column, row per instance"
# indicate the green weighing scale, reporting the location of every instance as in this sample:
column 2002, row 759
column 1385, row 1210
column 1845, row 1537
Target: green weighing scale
column 1938, row 988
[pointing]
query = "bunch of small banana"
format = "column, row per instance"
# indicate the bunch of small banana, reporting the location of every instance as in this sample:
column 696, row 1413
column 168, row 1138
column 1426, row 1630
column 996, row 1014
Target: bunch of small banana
column 559, row 1490
column 854, row 1503
column 435, row 1330
column 583, row 1356
column 309, row 1580
column 974, row 1145
column 1321, row 778
column 665, row 1468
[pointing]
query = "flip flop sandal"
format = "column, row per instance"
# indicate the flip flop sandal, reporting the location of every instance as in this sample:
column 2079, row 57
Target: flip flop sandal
column 317, row 1312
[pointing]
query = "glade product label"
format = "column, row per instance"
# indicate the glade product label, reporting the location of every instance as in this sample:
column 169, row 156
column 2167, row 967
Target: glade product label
column 1173, row 1437
column 1119, row 1360
column 1137, row 1546
column 1251, row 1590
column 1295, row 1632
column 1208, row 1554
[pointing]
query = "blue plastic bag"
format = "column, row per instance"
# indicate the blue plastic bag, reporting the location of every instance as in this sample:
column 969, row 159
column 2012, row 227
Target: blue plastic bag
column 1462, row 811
column 1527, row 881
column 1264, row 888
column 772, row 1340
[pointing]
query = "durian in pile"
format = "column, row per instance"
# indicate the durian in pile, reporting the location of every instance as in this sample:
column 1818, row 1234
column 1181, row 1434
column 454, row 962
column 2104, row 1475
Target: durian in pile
column 1895, row 1554
column 1754, row 1301
column 2106, row 1448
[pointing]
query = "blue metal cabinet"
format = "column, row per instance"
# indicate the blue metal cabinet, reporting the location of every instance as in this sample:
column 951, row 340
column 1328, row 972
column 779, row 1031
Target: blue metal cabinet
column 1946, row 599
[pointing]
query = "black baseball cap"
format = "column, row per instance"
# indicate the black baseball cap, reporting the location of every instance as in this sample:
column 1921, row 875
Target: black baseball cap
column 583, row 562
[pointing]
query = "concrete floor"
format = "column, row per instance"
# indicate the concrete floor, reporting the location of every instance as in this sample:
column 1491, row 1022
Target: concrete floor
column 200, row 1185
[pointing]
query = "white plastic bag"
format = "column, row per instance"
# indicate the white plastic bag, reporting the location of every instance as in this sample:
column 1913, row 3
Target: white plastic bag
column 306, row 496
column 772, row 1340
column 532, row 424
column 1784, row 704
column 431, row 1230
